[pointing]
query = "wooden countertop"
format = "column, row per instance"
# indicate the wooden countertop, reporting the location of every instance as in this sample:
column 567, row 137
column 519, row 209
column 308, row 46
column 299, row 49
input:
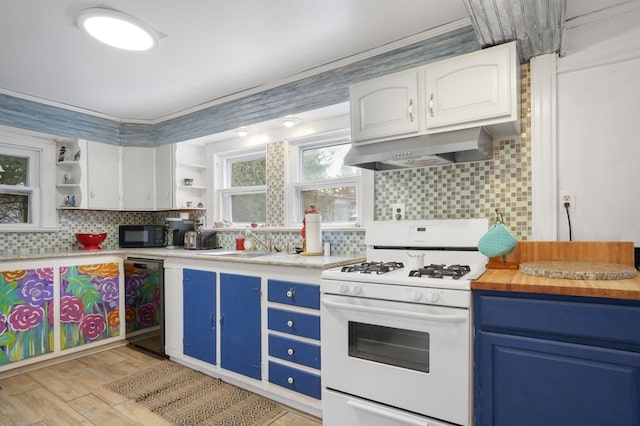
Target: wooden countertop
column 515, row 281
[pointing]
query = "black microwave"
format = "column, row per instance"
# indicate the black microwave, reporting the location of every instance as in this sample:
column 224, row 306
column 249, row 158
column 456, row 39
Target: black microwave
column 142, row 236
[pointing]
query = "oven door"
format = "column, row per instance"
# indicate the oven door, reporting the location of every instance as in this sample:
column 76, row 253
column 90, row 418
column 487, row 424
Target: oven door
column 409, row 356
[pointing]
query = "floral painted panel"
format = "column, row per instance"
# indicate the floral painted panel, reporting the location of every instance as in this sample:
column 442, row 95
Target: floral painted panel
column 89, row 303
column 142, row 297
column 26, row 314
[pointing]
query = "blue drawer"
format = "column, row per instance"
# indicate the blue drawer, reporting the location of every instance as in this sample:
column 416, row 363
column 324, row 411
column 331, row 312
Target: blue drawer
column 295, row 323
column 296, row 294
column 294, row 379
column 295, row 351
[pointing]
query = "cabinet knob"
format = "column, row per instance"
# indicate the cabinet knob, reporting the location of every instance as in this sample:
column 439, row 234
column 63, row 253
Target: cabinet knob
column 290, row 380
column 290, row 351
column 289, row 323
column 289, row 294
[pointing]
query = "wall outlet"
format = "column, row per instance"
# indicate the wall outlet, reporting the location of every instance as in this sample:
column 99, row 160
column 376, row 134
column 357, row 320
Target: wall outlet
column 397, row 211
column 568, row 197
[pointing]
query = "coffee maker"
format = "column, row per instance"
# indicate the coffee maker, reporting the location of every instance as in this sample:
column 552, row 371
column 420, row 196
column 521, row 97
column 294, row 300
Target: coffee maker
column 176, row 229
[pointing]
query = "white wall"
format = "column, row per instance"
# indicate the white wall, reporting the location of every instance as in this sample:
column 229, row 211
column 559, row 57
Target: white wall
column 599, row 125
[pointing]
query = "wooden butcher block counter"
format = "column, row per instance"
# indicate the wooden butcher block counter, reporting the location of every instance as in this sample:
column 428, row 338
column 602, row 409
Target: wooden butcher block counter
column 603, row 260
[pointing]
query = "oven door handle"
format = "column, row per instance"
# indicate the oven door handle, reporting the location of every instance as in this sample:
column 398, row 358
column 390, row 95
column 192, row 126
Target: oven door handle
column 396, row 417
column 396, row 313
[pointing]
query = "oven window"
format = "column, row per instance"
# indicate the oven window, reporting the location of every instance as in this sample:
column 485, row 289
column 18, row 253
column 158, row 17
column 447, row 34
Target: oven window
column 393, row 346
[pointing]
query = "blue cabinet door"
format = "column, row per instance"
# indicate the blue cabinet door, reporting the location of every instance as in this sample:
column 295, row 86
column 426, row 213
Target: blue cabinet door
column 240, row 325
column 199, row 304
column 530, row 382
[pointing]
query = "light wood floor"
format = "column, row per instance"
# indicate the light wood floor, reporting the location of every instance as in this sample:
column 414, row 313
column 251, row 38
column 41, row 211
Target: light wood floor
column 64, row 394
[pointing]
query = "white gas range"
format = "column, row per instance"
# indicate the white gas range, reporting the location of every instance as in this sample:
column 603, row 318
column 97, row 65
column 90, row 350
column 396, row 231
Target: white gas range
column 396, row 330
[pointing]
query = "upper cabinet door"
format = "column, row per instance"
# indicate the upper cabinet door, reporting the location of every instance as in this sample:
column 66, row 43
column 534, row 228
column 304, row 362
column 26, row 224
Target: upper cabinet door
column 385, row 106
column 479, row 88
column 164, row 176
column 138, row 178
column 103, row 171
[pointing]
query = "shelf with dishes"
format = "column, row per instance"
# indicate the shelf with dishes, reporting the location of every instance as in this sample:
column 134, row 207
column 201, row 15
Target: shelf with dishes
column 69, row 173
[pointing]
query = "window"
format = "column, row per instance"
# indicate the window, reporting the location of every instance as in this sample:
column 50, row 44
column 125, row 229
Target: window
column 26, row 188
column 243, row 196
column 322, row 180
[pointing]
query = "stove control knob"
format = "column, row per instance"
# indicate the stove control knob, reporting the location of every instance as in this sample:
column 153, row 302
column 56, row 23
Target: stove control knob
column 432, row 296
column 415, row 294
column 343, row 288
column 357, row 289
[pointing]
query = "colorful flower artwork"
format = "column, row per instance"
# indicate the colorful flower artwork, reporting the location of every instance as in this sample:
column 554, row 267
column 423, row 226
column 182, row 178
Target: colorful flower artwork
column 89, row 299
column 142, row 298
column 26, row 314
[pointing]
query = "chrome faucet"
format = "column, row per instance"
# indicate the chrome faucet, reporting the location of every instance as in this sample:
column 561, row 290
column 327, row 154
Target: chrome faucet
column 268, row 247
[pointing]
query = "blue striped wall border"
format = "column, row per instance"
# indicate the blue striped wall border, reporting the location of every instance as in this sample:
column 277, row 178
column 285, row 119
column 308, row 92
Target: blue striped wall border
column 317, row 91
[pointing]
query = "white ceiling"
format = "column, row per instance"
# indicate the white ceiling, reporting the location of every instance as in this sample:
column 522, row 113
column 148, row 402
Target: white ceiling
column 211, row 49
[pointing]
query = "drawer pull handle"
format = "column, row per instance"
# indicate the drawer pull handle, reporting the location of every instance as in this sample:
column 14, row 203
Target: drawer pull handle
column 290, row 351
column 290, row 380
column 431, row 104
column 289, row 323
column 290, row 294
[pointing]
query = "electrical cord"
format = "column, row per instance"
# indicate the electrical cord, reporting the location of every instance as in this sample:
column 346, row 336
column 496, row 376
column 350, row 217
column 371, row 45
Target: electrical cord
column 566, row 207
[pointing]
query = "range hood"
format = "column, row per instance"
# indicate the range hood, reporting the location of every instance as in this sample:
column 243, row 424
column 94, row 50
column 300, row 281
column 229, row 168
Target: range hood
column 421, row 151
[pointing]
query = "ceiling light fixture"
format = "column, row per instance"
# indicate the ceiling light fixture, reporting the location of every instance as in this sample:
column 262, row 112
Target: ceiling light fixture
column 117, row 29
column 242, row 132
column 290, row 121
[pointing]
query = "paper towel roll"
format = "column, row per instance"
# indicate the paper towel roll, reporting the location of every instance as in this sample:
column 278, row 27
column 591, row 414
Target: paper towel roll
column 313, row 231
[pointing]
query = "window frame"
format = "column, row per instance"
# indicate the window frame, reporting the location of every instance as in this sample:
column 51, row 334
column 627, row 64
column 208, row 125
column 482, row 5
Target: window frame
column 224, row 190
column 363, row 182
column 41, row 153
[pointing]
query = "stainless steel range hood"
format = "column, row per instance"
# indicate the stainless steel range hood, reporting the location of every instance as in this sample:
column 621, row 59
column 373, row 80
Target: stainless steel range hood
column 421, row 151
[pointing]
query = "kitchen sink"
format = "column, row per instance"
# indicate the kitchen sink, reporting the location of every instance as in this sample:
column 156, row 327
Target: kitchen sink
column 247, row 254
column 238, row 254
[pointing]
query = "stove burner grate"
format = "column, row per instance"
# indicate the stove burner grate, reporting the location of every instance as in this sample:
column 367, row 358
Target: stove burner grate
column 373, row 267
column 441, row 271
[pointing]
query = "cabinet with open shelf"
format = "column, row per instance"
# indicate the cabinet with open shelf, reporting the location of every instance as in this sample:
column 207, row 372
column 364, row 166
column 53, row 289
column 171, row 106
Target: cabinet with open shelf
column 69, row 173
column 190, row 175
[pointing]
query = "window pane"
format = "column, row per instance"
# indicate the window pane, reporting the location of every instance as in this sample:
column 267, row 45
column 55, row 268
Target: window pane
column 326, row 163
column 249, row 173
column 14, row 208
column 15, row 170
column 249, row 208
column 335, row 204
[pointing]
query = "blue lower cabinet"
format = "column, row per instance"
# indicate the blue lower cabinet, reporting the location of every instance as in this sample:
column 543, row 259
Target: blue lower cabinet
column 240, row 325
column 555, row 360
column 199, row 307
column 294, row 351
column 295, row 323
column 295, row 380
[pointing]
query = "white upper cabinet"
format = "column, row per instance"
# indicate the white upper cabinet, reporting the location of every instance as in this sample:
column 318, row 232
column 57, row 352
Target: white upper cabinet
column 103, row 176
column 385, row 106
column 138, row 178
column 164, row 176
column 476, row 89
